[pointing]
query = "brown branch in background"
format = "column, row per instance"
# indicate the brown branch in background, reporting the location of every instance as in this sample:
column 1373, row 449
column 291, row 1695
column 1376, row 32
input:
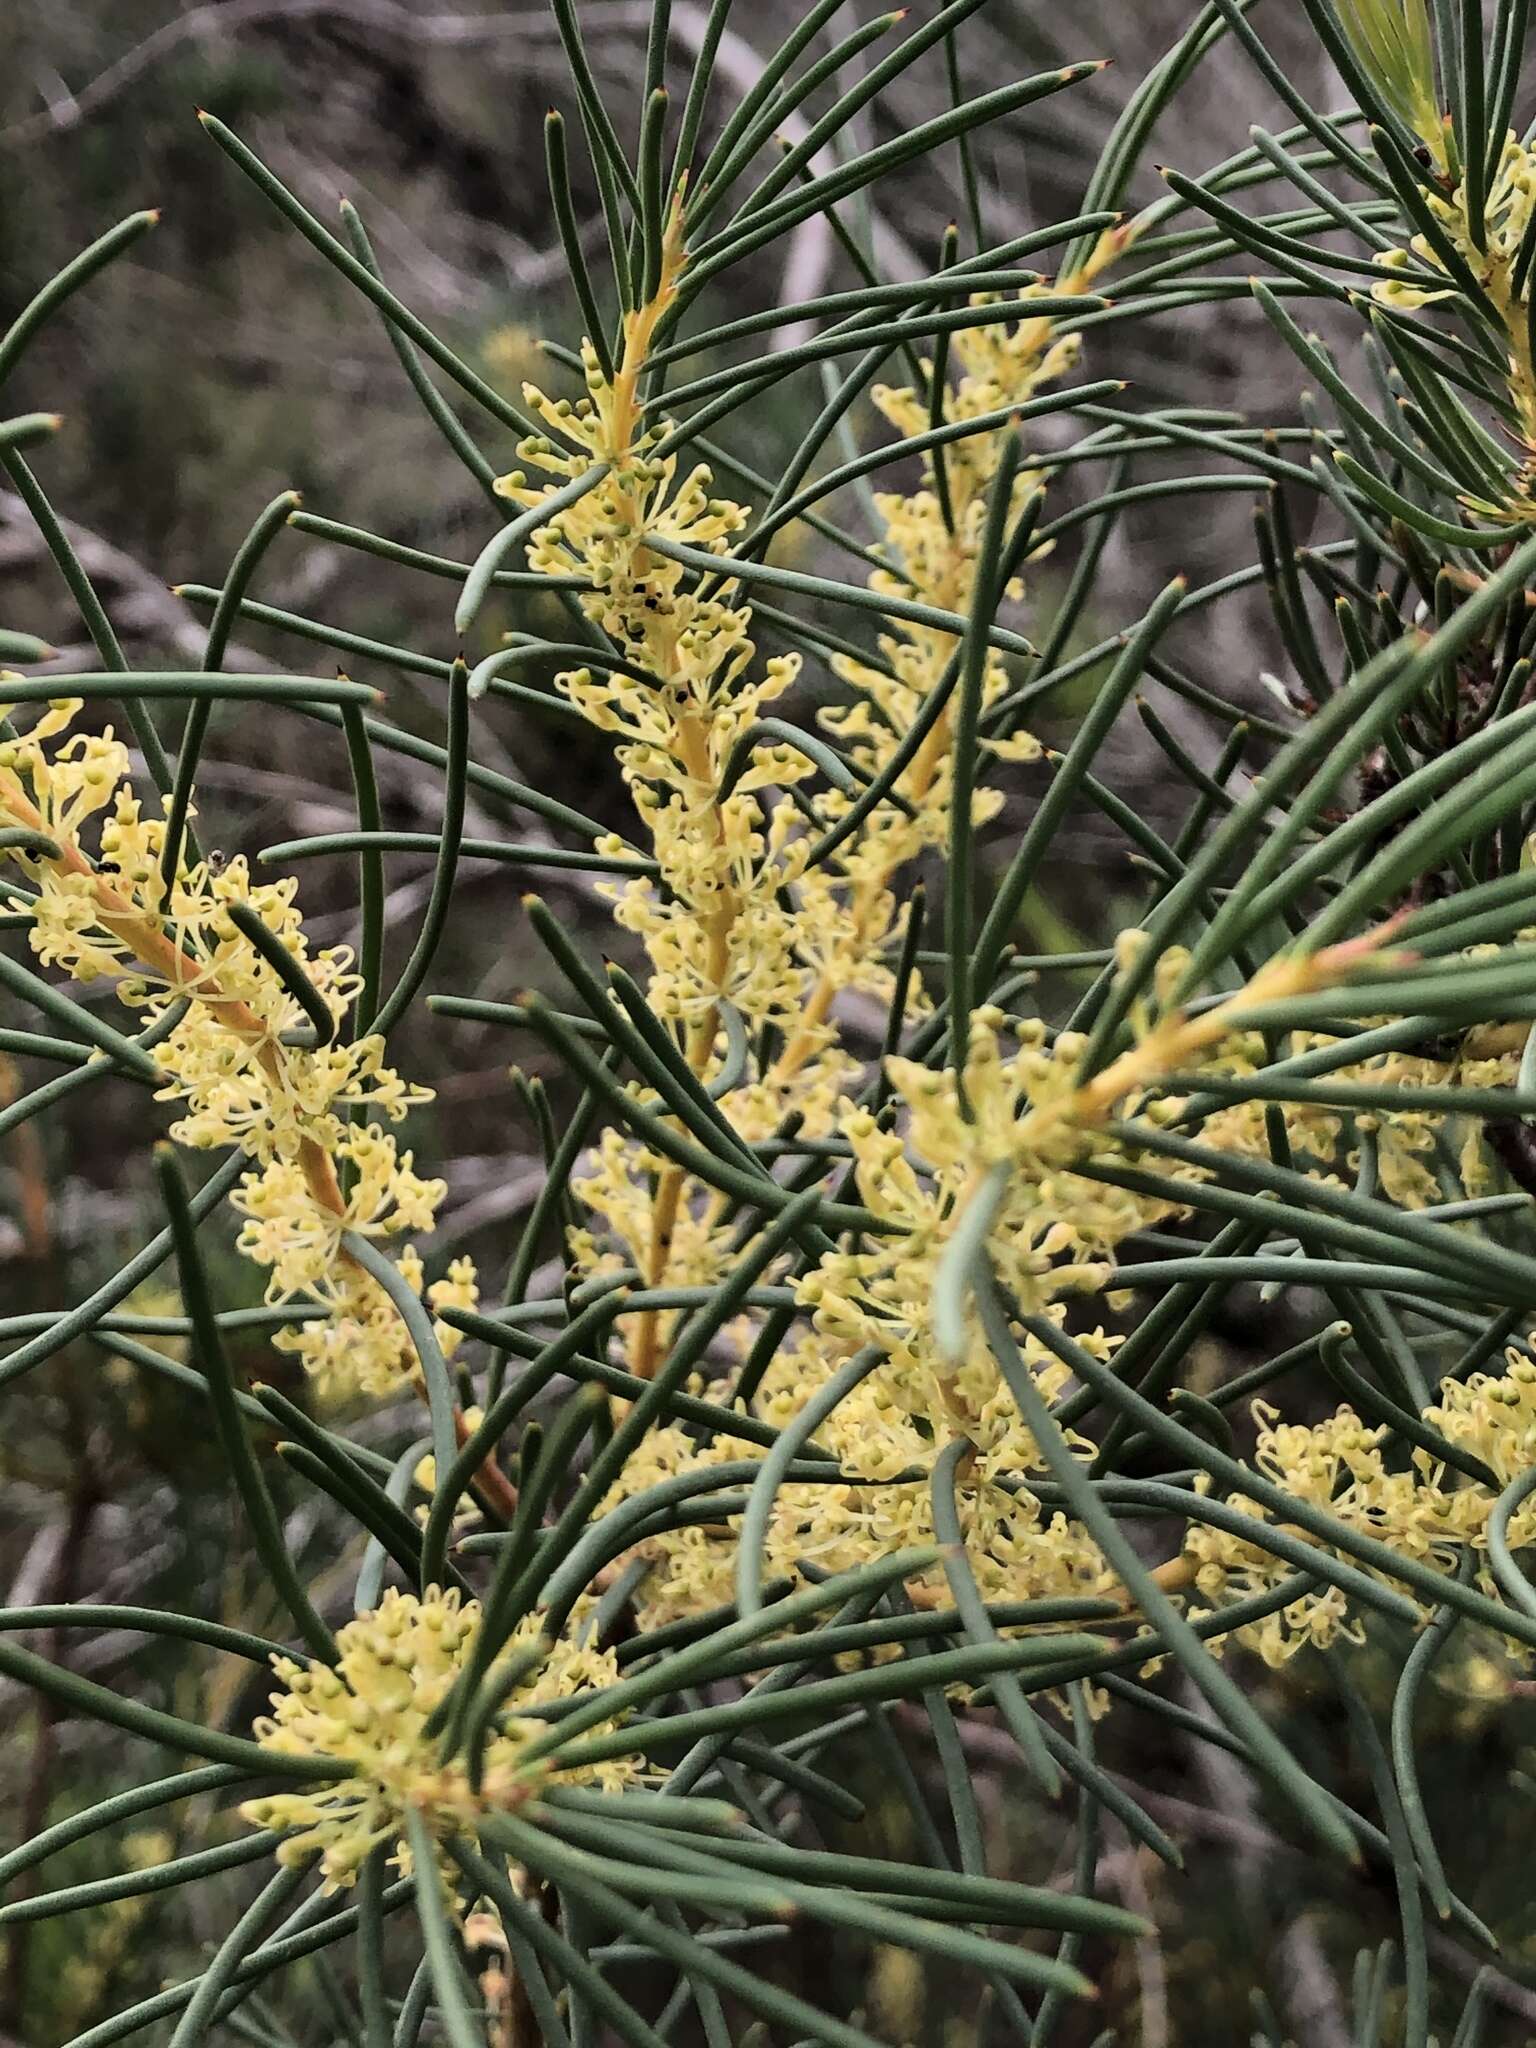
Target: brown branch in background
column 1513, row 1143
column 493, row 1483
column 381, row 18
column 507, row 2011
column 141, row 601
column 34, row 1209
column 86, row 1495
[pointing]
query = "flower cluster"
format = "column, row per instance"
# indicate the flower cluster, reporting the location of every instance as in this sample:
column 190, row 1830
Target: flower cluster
column 883, row 1434
column 370, row 1715
column 682, row 697
column 1054, row 1232
column 737, row 927
column 1493, row 256
column 237, row 1049
column 1507, row 216
column 932, row 542
column 1406, row 1138
column 1053, row 1235
column 1424, row 1510
column 1339, row 1466
column 1494, row 1418
column 741, row 931
column 688, row 1242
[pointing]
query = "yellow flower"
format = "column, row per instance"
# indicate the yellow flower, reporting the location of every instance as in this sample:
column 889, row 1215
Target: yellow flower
column 693, row 1569
column 1055, row 1231
column 885, row 1434
column 362, row 1345
column 1406, row 1137
column 1336, row 1465
column 736, row 917
column 618, row 1189
column 240, row 1057
column 1493, row 255
column 458, row 1288
column 933, row 539
column 369, row 1715
column 687, row 697
column 1495, row 1419
column 425, row 1477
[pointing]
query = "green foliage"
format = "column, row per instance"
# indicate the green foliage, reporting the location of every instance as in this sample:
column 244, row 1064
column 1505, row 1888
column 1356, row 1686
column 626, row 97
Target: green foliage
column 862, row 1384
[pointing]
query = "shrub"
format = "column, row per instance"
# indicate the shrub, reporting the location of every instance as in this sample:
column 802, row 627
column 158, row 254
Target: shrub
column 874, row 1393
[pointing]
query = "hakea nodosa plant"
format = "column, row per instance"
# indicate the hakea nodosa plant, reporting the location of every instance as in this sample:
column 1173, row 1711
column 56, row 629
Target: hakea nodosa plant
column 880, row 1366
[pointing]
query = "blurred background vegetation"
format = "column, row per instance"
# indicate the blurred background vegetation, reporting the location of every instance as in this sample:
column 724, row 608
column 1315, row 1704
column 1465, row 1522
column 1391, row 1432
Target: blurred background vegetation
column 221, row 362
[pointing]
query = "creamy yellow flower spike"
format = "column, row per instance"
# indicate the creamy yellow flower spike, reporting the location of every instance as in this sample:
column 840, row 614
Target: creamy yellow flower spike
column 1055, row 1232
column 932, row 540
column 1495, row 1418
column 369, row 1715
column 884, row 1435
column 237, row 1059
column 719, row 925
column 1336, row 1465
column 735, row 917
column 1507, row 216
column 1424, row 1511
column 714, row 927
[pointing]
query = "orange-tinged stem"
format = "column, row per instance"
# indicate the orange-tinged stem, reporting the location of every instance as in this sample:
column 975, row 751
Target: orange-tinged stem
column 690, row 746
column 153, row 949
column 31, row 1173
column 491, row 1480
